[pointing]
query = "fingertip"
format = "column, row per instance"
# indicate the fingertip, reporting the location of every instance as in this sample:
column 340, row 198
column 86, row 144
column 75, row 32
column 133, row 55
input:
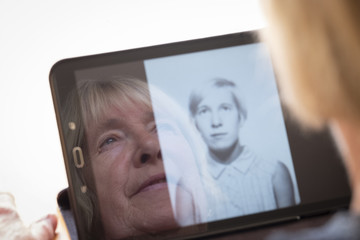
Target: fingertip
column 45, row 227
column 52, row 218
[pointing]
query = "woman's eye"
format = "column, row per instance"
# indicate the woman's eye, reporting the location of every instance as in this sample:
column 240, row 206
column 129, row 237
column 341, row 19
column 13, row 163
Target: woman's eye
column 203, row 111
column 108, row 141
column 106, row 144
column 226, row 107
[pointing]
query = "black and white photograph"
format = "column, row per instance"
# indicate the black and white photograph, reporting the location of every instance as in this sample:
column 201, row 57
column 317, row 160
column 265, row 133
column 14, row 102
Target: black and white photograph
column 230, row 99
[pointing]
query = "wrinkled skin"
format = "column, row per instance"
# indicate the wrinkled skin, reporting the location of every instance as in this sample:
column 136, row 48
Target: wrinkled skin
column 132, row 187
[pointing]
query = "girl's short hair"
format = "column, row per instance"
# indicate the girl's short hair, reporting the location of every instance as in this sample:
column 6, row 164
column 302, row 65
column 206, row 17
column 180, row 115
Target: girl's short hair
column 198, row 94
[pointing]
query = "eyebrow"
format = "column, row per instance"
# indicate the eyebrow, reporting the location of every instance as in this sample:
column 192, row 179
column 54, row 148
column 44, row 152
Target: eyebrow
column 203, row 106
column 226, row 103
column 109, row 124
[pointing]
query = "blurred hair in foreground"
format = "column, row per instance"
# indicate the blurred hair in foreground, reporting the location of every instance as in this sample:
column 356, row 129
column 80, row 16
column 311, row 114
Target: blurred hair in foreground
column 315, row 45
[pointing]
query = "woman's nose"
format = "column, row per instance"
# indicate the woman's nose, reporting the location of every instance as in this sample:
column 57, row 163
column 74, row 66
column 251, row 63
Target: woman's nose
column 215, row 120
column 148, row 150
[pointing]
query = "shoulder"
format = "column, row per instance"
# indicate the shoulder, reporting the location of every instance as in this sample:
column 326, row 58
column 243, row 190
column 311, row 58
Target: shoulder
column 280, row 169
column 280, row 173
column 269, row 167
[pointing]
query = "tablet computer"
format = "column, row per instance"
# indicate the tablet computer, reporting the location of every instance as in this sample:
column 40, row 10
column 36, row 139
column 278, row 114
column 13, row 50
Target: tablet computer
column 187, row 139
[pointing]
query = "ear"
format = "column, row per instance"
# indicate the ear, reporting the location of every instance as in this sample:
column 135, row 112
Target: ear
column 241, row 120
column 194, row 122
column 196, row 125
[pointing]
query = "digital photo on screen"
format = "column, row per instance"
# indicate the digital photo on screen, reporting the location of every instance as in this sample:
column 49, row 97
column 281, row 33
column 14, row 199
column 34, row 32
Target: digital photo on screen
column 227, row 102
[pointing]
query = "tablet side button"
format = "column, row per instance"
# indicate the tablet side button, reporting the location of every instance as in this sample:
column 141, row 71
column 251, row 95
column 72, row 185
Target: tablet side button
column 78, row 157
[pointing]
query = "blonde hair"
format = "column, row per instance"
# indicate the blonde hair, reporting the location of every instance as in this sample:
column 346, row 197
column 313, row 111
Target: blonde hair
column 96, row 97
column 315, row 45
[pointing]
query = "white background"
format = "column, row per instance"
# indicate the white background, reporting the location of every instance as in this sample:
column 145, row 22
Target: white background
column 36, row 34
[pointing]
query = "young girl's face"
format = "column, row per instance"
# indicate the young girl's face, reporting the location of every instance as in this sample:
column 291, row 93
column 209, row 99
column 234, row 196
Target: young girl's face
column 217, row 119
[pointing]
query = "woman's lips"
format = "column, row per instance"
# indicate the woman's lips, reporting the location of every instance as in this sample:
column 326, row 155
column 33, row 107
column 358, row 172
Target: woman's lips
column 218, row 135
column 157, row 181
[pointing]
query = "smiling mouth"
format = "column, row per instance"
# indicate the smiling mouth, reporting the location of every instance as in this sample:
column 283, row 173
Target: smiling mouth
column 153, row 183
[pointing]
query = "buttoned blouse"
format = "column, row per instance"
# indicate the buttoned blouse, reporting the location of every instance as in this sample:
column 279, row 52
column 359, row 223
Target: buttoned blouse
column 240, row 188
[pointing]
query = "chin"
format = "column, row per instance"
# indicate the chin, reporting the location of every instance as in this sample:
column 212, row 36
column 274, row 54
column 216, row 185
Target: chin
column 156, row 212
column 144, row 221
column 162, row 221
column 155, row 221
column 219, row 149
column 223, row 146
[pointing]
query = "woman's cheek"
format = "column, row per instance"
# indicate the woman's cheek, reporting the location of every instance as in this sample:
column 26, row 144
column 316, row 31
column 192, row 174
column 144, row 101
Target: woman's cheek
column 105, row 166
column 112, row 155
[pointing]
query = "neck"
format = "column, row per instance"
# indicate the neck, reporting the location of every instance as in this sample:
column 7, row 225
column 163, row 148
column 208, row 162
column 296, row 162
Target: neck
column 228, row 155
column 347, row 136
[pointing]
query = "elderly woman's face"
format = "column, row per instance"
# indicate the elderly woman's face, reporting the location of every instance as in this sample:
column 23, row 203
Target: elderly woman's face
column 130, row 177
column 217, row 119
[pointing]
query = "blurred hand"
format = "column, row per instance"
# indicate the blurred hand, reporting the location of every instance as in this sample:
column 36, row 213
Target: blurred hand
column 12, row 227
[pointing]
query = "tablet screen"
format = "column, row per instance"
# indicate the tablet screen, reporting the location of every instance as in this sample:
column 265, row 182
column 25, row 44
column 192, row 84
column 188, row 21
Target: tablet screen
column 187, row 139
